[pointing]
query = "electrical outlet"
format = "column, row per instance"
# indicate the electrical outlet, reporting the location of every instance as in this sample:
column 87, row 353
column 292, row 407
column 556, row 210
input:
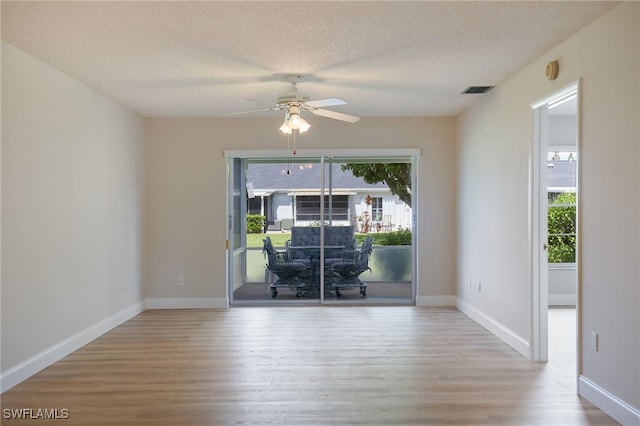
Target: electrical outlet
column 180, row 282
column 594, row 341
column 479, row 286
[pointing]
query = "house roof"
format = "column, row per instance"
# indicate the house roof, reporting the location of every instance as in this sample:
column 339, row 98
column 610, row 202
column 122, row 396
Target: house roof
column 270, row 177
column 561, row 174
column 274, row 177
column 208, row 58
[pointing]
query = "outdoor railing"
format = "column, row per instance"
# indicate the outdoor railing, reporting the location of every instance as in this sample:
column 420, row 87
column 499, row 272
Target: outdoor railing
column 387, row 263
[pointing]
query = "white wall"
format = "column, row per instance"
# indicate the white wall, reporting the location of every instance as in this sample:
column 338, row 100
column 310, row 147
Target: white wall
column 72, row 174
column 185, row 186
column 493, row 161
column 562, row 284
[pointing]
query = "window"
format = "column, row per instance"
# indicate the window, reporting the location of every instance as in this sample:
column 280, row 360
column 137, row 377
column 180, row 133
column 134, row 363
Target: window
column 562, row 228
column 254, row 205
column 376, row 209
column 561, row 191
column 308, row 207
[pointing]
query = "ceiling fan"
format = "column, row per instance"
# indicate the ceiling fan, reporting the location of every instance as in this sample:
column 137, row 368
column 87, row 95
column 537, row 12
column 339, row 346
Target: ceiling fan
column 294, row 102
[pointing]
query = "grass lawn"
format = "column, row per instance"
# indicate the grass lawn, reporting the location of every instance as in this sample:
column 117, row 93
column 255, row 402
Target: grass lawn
column 280, row 239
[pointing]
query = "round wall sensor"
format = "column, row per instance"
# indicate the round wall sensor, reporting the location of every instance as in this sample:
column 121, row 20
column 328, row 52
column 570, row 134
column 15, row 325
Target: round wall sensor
column 552, row 70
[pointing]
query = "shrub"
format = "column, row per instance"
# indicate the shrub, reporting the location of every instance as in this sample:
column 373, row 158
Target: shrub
column 255, row 223
column 395, row 238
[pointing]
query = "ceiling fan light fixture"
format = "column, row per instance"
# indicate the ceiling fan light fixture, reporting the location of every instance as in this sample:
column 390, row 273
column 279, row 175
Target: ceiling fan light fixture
column 285, row 125
column 294, row 121
column 285, row 128
column 294, row 117
column 304, row 126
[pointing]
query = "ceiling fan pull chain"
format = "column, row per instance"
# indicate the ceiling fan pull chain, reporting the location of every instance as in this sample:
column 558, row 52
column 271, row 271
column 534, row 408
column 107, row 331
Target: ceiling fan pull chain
column 294, row 142
column 288, row 156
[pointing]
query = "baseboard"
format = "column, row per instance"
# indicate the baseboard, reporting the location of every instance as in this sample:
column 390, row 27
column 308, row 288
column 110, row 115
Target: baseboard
column 33, row 365
column 435, row 301
column 187, row 303
column 562, row 300
column 504, row 333
column 614, row 407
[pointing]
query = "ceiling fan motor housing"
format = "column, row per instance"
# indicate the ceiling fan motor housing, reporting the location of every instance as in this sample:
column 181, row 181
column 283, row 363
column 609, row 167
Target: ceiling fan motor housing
column 294, row 96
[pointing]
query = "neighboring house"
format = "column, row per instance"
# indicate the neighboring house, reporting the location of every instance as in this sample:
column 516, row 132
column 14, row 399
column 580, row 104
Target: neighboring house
column 561, row 177
column 289, row 194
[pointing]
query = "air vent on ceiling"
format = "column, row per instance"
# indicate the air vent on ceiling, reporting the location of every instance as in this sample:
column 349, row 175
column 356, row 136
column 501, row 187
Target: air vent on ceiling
column 475, row 90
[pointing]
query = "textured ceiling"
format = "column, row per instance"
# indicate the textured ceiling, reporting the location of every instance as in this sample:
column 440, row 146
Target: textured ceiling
column 204, row 59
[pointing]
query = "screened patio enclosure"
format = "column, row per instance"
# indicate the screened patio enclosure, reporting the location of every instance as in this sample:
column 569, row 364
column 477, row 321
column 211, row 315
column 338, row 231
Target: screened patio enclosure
column 308, row 230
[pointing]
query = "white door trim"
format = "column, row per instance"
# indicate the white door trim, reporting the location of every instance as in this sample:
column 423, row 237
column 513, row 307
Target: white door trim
column 538, row 228
column 539, row 350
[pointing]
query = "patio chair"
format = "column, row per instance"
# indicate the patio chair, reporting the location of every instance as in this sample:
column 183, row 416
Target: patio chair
column 347, row 271
column 286, row 269
column 386, row 223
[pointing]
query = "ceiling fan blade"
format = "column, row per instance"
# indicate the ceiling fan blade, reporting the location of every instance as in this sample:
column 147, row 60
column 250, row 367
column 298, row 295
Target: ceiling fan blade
column 248, row 112
column 321, row 103
column 337, row 115
column 260, row 101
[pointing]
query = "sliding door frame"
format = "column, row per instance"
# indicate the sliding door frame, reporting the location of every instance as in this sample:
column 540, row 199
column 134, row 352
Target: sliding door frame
column 280, row 154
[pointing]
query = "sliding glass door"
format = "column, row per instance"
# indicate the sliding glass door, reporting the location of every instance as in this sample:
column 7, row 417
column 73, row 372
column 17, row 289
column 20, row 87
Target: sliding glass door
column 321, row 230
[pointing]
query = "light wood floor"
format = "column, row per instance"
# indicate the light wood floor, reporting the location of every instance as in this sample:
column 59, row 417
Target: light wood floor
column 303, row 366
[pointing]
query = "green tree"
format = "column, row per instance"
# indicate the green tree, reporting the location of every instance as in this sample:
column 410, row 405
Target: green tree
column 397, row 176
column 562, row 229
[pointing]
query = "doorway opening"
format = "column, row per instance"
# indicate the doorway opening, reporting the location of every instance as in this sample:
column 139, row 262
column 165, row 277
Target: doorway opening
column 554, row 238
